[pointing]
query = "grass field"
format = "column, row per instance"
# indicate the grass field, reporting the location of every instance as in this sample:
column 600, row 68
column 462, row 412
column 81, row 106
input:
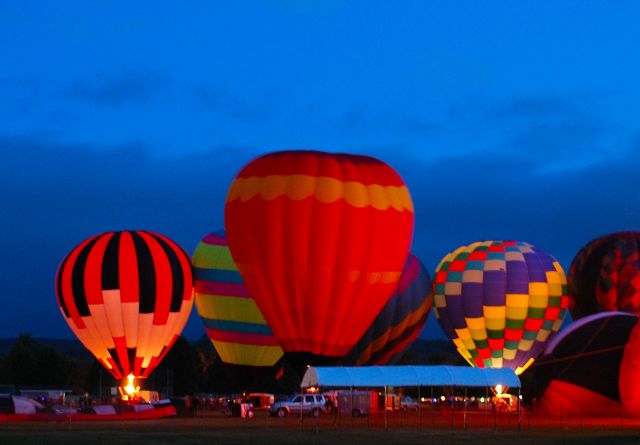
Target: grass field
column 264, row 431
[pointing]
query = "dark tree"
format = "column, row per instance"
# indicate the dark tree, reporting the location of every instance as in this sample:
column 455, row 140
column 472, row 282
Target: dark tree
column 52, row 367
column 4, row 375
column 179, row 373
column 98, row 381
column 22, row 361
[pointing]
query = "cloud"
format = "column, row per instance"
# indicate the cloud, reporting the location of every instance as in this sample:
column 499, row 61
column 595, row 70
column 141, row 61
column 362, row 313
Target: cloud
column 60, row 194
column 554, row 129
column 551, row 132
column 538, row 106
column 221, row 101
column 56, row 195
column 554, row 133
column 125, row 89
column 19, row 97
column 375, row 120
column 461, row 199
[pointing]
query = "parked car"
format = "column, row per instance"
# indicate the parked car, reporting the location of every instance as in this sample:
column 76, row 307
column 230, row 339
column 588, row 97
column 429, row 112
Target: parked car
column 306, row 404
column 408, row 404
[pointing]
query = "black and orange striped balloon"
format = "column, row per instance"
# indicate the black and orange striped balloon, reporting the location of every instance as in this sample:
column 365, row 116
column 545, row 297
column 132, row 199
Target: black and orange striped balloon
column 127, row 296
column 320, row 240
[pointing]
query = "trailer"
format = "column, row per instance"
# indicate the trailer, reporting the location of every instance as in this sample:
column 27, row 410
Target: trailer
column 356, row 403
column 261, row 400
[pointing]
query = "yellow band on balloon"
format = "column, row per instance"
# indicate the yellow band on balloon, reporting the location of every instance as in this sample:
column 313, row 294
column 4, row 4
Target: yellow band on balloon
column 248, row 355
column 217, row 307
column 324, row 189
column 208, row 256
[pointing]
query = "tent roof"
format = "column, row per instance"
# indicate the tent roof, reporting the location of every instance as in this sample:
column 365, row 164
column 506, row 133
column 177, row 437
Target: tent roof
column 379, row 376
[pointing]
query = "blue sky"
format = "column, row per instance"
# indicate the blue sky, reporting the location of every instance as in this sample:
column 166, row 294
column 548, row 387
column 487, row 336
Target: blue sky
column 507, row 120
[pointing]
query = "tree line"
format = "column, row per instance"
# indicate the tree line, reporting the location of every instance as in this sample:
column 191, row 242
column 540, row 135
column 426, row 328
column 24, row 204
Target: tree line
column 188, row 368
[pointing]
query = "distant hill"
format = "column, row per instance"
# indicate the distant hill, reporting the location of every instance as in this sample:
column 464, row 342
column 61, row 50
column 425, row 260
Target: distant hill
column 432, row 352
column 69, row 346
column 421, row 351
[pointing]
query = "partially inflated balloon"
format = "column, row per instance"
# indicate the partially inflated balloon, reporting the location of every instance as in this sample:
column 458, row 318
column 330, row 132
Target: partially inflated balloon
column 232, row 320
column 605, row 275
column 320, row 240
column 630, row 373
column 564, row 399
column 399, row 322
column 126, row 296
column 580, row 373
column 499, row 301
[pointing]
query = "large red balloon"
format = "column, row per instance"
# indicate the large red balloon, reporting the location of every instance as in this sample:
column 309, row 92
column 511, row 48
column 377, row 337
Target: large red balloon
column 400, row 321
column 320, row 240
column 126, row 296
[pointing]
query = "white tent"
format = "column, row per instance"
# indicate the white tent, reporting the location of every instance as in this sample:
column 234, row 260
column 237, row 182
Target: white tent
column 408, row 376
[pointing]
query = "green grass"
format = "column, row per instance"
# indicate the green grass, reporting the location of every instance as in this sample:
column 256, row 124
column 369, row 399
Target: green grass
column 253, row 432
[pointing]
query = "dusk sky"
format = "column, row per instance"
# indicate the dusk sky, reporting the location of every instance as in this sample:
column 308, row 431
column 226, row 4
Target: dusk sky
column 507, row 120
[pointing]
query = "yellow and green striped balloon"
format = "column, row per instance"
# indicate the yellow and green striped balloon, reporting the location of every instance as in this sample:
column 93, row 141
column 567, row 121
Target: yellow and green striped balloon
column 232, row 320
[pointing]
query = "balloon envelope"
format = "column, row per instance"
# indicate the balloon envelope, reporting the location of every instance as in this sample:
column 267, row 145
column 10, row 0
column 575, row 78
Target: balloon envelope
column 400, row 321
column 605, row 275
column 630, row 373
column 320, row 240
column 580, row 371
column 232, row 320
column 499, row 301
column 127, row 296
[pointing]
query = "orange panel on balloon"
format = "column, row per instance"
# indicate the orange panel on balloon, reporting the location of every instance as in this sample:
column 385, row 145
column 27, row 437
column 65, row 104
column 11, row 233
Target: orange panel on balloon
column 320, row 240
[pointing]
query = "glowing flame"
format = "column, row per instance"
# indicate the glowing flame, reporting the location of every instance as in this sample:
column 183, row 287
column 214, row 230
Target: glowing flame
column 130, row 389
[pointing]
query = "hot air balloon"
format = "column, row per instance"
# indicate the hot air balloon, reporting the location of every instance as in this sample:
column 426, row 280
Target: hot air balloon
column 630, row 373
column 127, row 296
column 581, row 373
column 232, row 320
column 499, row 301
column 400, row 321
column 605, row 275
column 320, row 240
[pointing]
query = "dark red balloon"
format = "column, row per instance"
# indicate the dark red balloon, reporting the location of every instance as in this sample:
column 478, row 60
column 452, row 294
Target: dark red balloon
column 605, row 275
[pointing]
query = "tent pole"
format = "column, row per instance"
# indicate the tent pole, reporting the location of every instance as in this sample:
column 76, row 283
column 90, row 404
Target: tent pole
column 419, row 410
column 519, row 409
column 486, row 411
column 351, row 403
column 464, row 415
column 433, row 419
column 453, row 407
column 385, row 407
